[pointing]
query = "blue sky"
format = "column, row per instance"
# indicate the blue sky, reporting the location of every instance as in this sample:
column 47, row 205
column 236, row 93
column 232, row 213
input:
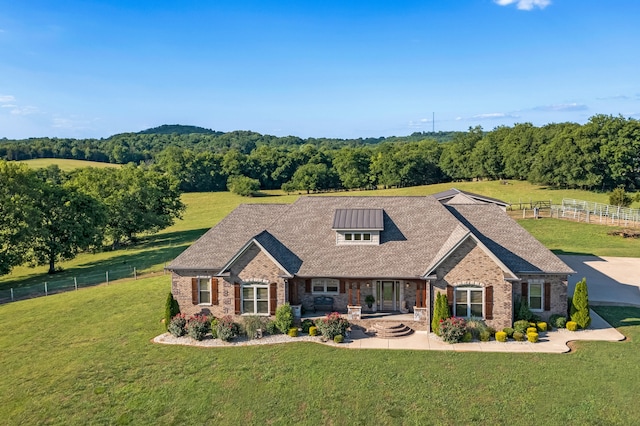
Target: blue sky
column 313, row 69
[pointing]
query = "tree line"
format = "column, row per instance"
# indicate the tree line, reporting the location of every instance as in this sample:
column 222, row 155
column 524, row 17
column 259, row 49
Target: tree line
column 48, row 215
column 602, row 154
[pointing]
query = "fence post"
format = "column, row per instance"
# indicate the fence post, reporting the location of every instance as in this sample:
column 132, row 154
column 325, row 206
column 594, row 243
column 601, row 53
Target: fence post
column 12, row 294
column 75, row 283
column 46, row 292
column 135, row 273
column 107, row 277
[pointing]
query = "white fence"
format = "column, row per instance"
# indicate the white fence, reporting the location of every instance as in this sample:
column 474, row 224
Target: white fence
column 591, row 212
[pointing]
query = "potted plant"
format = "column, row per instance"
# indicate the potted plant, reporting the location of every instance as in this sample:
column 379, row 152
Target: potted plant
column 369, row 300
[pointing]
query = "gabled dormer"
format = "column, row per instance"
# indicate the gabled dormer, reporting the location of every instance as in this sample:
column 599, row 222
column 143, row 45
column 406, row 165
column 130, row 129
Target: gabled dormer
column 358, row 226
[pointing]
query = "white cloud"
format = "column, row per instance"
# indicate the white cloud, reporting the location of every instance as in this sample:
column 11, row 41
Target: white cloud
column 7, row 98
column 28, row 110
column 614, row 98
column 525, row 4
column 493, row 115
column 563, row 107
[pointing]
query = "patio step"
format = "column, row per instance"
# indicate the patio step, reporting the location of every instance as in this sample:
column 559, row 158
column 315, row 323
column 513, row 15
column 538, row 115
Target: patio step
column 387, row 330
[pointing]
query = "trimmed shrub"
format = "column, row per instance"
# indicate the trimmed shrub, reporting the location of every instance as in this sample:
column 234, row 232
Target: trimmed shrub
column 214, row 327
column 557, row 321
column 171, row 309
column 272, row 328
column 521, row 326
column 542, row 326
column 293, row 332
column 227, row 329
column 177, row 326
column 580, row 305
column 306, row 325
column 313, row 330
column 242, row 185
column 284, row 317
column 524, row 313
column 501, row 336
column 252, row 324
column 332, row 325
column 467, row 337
column 532, row 330
column 440, row 312
column 485, row 335
column 509, row 331
column 572, row 326
column 338, row 338
column 518, row 336
column 453, row 329
column 532, row 337
column 198, row 326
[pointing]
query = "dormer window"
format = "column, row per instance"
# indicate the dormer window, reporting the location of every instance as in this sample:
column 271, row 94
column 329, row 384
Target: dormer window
column 358, row 226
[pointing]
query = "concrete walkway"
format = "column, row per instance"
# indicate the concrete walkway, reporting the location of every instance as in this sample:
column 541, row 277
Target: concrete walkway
column 550, row 342
column 610, row 280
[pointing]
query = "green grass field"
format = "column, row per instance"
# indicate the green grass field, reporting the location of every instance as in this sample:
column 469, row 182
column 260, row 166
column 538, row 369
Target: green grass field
column 64, row 164
column 86, row 358
column 204, row 210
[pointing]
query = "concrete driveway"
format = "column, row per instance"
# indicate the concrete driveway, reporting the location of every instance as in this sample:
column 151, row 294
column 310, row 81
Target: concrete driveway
column 610, row 280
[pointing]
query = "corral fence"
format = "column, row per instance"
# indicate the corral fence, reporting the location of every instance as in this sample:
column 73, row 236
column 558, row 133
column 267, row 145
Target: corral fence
column 592, row 212
column 68, row 283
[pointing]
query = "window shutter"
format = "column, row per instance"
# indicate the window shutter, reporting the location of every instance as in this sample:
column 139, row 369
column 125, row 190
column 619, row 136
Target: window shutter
column 547, row 296
column 273, row 298
column 236, row 294
column 525, row 292
column 450, row 298
column 214, row 291
column 488, row 302
column 342, row 287
column 307, row 286
column 194, row 291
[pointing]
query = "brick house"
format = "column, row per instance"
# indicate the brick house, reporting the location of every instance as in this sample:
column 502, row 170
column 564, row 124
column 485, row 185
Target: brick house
column 400, row 250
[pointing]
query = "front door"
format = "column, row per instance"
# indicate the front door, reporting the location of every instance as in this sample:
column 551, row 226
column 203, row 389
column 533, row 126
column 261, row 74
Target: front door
column 389, row 292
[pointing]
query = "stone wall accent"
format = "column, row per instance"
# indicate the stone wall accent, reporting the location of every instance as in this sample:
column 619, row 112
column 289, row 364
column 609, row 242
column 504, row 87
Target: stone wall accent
column 470, row 265
column 558, row 293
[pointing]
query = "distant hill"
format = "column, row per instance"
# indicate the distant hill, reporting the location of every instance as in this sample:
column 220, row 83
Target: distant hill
column 170, row 129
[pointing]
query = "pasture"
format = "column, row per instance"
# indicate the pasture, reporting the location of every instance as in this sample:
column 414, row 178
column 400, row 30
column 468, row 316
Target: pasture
column 64, row 163
column 86, row 358
column 204, row 210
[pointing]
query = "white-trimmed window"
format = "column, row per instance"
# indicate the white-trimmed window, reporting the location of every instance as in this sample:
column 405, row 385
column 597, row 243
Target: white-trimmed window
column 469, row 302
column 204, row 291
column 325, row 286
column 357, row 236
column 536, row 295
column 255, row 298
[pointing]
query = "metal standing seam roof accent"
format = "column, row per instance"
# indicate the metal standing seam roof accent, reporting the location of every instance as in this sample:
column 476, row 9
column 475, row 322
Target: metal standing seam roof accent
column 358, row 219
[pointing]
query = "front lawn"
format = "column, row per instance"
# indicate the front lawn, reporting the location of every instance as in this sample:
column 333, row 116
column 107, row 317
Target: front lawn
column 86, row 358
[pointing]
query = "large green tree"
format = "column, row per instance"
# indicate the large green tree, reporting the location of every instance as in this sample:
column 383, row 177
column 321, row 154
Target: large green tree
column 18, row 213
column 69, row 222
column 137, row 199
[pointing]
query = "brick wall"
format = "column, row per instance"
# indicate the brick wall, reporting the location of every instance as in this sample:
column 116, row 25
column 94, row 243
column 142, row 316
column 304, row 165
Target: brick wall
column 558, row 285
column 470, row 265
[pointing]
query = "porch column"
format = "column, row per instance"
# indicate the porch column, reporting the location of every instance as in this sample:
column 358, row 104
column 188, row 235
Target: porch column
column 403, row 303
column 374, row 292
column 349, row 298
column 358, row 294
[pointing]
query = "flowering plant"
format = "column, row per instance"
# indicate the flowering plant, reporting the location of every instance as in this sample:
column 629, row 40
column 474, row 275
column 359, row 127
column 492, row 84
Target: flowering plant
column 177, row 326
column 198, row 326
column 332, row 325
column 227, row 329
column 452, row 329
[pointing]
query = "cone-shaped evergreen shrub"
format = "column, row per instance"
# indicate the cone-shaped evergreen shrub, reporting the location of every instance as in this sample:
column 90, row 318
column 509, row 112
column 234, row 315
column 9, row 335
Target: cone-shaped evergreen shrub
column 580, row 305
column 171, row 309
column 440, row 312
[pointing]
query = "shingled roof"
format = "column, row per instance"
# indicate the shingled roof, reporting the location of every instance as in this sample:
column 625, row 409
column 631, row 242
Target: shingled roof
column 418, row 232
